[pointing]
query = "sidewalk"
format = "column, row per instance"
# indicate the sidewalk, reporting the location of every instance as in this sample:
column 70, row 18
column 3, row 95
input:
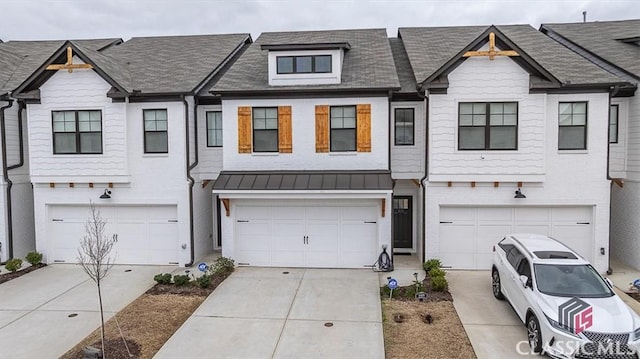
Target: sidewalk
column 622, row 278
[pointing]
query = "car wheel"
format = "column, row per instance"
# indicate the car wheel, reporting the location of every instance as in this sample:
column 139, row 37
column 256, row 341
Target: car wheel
column 495, row 284
column 534, row 334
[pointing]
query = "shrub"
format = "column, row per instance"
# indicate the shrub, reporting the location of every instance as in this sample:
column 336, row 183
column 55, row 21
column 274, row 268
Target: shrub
column 181, row 279
column 223, row 266
column 431, row 263
column 204, row 281
column 437, row 272
column 162, row 278
column 34, row 258
column 13, row 265
column 439, row 283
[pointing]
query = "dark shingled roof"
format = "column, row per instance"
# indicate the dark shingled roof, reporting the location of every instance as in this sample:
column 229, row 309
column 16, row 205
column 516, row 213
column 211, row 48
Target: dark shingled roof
column 403, row 66
column 33, row 54
column 604, row 40
column 305, row 180
column 429, row 48
column 171, row 64
column 367, row 65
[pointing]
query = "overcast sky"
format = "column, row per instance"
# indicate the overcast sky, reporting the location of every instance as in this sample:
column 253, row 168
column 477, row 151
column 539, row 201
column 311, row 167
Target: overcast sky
column 77, row 19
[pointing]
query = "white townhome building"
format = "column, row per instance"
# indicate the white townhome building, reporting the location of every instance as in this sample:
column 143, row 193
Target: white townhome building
column 615, row 47
column 511, row 110
column 117, row 127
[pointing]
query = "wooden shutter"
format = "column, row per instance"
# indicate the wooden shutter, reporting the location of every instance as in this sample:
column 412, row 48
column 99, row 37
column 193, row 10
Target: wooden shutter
column 284, row 129
column 322, row 128
column 244, row 129
column 364, row 127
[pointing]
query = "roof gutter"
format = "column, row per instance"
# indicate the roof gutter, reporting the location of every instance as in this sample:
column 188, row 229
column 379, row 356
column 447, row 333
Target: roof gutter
column 5, row 174
column 191, row 181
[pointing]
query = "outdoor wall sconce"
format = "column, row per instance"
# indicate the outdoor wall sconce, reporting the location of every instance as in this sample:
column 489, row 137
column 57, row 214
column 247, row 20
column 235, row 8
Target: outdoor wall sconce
column 106, row 194
column 519, row 194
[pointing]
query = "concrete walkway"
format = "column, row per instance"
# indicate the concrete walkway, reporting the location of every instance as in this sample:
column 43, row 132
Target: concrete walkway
column 35, row 308
column 285, row 313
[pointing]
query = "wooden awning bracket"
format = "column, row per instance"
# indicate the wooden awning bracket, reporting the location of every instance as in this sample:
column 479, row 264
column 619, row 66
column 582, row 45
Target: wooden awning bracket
column 225, row 203
column 492, row 53
column 384, row 206
column 618, row 181
column 69, row 65
column 205, row 183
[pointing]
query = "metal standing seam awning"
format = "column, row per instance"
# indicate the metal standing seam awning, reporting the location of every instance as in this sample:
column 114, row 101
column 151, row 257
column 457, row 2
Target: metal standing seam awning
column 303, row 181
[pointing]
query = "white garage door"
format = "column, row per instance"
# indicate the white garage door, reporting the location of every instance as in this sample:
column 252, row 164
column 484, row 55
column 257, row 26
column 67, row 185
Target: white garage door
column 297, row 236
column 467, row 234
column 146, row 234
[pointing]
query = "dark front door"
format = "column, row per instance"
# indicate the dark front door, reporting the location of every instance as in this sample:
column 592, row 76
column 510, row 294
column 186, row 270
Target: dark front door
column 402, row 222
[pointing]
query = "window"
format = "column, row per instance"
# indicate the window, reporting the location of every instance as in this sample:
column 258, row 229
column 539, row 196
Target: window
column 303, row 64
column 613, row 124
column 265, row 129
column 488, row 126
column 343, row 128
column 404, row 126
column 214, row 129
column 572, row 131
column 77, row 132
column 155, row 131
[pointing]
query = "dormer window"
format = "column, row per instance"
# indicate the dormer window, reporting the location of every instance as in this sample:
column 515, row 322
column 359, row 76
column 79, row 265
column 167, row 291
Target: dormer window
column 318, row 64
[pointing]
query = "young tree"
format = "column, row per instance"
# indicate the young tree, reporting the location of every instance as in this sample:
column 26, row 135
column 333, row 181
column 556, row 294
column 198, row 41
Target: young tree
column 94, row 254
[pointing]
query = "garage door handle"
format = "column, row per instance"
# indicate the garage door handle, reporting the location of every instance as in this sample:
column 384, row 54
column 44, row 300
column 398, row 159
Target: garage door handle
column 445, row 222
column 172, row 220
column 583, row 223
column 57, row 220
column 242, row 221
column 370, row 222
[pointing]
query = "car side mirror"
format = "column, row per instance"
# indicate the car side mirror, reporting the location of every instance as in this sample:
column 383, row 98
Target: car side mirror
column 524, row 280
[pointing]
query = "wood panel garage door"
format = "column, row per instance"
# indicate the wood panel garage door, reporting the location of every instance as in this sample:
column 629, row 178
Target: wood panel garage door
column 467, row 234
column 146, row 234
column 297, row 236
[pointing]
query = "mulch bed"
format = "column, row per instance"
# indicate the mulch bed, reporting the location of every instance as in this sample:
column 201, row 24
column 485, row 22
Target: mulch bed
column 5, row 277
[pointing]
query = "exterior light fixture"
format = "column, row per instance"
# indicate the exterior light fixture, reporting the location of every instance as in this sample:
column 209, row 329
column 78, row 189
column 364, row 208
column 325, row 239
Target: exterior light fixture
column 106, row 194
column 519, row 194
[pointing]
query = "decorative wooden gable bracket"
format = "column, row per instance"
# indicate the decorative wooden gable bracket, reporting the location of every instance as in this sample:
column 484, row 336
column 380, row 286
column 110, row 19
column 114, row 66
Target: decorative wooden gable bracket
column 492, row 53
column 384, row 206
column 225, row 203
column 69, row 65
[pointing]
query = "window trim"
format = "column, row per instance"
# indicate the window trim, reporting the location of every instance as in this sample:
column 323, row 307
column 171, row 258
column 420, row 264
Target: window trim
column 253, row 130
column 294, row 70
column 395, row 126
column 144, row 131
column 355, row 130
column 617, row 124
column 77, row 133
column 487, row 126
column 586, row 124
column 206, row 120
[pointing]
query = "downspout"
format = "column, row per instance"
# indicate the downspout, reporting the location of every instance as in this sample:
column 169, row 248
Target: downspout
column 614, row 91
column 191, row 183
column 426, row 171
column 393, row 181
column 21, row 106
column 5, row 174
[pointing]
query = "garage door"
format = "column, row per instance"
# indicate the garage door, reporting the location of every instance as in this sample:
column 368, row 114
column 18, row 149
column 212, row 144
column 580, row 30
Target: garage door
column 467, row 234
column 146, row 234
column 298, row 236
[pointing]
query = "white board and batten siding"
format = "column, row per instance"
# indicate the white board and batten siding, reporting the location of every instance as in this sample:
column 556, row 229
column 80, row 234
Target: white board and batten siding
column 143, row 184
column 561, row 186
column 304, row 156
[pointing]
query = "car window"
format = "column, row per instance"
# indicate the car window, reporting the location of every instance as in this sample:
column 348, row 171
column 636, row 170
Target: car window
column 524, row 268
column 571, row 281
column 514, row 256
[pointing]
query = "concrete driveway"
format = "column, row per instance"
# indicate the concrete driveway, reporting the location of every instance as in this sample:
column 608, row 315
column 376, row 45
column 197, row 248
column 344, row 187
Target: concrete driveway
column 35, row 308
column 285, row 313
column 494, row 329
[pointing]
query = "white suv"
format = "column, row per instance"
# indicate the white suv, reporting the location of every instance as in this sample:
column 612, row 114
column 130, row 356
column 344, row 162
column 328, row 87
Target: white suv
column 569, row 310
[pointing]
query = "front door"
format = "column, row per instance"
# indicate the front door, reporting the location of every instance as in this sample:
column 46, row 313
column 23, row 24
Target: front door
column 402, row 223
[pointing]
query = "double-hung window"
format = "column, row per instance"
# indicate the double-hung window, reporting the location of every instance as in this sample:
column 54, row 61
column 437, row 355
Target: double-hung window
column 404, row 126
column 572, row 126
column 77, row 132
column 488, row 126
column 613, row 123
column 303, row 64
column 155, row 131
column 265, row 129
column 343, row 128
column 214, row 129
